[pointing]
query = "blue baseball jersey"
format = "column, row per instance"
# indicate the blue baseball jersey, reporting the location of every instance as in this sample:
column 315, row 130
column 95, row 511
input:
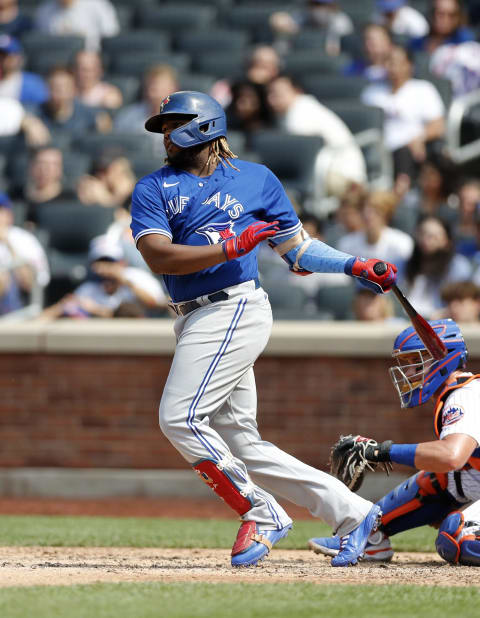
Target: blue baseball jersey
column 191, row 210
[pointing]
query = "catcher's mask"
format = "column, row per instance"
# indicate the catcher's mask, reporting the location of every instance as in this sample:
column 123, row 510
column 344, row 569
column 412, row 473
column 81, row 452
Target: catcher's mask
column 206, row 116
column 417, row 374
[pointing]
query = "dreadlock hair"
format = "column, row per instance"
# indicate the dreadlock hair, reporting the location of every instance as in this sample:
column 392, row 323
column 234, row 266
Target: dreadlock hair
column 220, row 152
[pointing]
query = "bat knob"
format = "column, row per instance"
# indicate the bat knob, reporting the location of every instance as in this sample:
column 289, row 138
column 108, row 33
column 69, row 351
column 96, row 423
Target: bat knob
column 380, row 268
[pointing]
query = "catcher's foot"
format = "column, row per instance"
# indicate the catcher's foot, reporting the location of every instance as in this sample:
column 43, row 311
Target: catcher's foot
column 253, row 544
column 352, row 545
column 377, row 549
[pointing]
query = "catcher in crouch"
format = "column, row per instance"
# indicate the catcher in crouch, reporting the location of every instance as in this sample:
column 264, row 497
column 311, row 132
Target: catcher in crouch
column 445, row 491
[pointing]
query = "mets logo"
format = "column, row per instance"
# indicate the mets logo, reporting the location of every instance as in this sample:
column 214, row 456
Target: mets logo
column 217, row 232
column 452, row 415
column 164, row 102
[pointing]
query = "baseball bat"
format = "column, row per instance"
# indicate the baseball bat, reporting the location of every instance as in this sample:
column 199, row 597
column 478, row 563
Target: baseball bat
column 430, row 339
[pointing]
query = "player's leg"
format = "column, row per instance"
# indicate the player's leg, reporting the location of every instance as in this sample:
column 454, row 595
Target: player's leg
column 216, row 345
column 458, row 540
column 421, row 500
column 322, row 494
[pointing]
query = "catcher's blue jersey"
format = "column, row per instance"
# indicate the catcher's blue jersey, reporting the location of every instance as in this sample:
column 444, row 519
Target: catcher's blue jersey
column 191, row 210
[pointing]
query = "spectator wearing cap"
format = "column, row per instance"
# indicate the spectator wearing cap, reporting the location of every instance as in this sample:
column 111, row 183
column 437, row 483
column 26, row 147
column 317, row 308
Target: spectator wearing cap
column 323, row 15
column 447, row 27
column 92, row 19
column 23, row 263
column 111, row 283
column 12, row 20
column 15, row 83
column 401, row 19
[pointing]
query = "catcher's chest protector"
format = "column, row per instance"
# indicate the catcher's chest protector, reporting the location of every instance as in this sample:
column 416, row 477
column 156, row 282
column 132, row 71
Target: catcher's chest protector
column 474, row 460
column 420, row 500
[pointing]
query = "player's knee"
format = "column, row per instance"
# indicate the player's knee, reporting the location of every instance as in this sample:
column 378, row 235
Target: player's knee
column 165, row 418
column 457, row 542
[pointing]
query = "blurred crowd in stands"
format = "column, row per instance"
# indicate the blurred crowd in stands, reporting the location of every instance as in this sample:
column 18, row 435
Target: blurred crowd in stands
column 368, row 112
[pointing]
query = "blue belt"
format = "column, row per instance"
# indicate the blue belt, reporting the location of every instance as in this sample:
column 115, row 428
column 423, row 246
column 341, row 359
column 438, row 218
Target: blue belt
column 190, row 305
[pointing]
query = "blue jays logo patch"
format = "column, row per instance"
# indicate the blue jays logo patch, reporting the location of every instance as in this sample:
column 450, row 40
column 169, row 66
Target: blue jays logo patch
column 452, row 415
column 164, row 102
column 217, row 232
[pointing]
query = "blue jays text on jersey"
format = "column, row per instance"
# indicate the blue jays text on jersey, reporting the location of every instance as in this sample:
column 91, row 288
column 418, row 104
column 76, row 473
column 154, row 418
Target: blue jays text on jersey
column 194, row 210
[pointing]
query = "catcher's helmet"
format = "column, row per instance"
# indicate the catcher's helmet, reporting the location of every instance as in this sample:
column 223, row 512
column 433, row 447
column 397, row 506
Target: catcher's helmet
column 207, row 118
column 418, row 375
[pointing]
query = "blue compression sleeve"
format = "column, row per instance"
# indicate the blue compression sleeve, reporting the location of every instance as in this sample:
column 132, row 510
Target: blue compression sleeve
column 403, row 454
column 318, row 257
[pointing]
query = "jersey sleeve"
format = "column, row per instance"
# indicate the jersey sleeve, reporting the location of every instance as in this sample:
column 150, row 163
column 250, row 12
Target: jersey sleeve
column 148, row 211
column 433, row 107
column 279, row 208
column 459, row 414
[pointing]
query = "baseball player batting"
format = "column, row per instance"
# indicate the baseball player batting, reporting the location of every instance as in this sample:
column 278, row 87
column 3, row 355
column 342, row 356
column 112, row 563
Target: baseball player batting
column 449, row 477
column 198, row 221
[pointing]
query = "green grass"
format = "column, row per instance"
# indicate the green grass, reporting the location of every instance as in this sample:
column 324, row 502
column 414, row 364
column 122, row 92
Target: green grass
column 198, row 600
column 163, row 532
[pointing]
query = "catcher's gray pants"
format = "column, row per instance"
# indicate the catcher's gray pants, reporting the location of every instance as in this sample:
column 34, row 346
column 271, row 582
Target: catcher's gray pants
column 208, row 411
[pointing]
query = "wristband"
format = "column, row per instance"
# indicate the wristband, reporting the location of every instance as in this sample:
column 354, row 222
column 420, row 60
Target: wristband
column 403, row 454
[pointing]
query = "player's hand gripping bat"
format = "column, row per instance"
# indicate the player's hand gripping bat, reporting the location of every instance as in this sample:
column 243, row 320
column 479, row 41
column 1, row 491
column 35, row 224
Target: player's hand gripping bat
column 430, row 339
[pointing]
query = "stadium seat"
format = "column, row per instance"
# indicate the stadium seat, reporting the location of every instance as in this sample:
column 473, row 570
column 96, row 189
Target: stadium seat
column 290, row 157
column 128, row 85
column 177, row 16
column 125, row 15
column 75, row 164
column 335, row 87
column 196, row 81
column 131, row 143
column 309, row 38
column 335, row 302
column 288, row 301
column 358, row 117
column 71, row 225
column 366, row 123
column 136, row 41
column 254, row 18
column 219, row 40
column 126, row 63
column 67, row 229
column 43, row 51
column 298, row 63
column 144, row 164
column 230, row 65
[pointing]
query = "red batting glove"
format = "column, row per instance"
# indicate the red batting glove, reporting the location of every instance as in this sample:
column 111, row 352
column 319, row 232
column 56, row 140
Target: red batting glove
column 366, row 271
column 250, row 237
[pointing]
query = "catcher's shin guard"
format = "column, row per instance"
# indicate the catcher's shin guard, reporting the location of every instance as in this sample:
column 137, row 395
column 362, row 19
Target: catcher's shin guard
column 222, row 485
column 420, row 500
column 458, row 541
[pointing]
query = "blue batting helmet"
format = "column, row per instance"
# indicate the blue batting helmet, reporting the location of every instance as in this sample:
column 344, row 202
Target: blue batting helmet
column 417, row 374
column 207, row 118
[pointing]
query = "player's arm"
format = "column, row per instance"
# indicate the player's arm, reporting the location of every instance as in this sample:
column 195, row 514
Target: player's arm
column 305, row 255
column 449, row 453
column 167, row 258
